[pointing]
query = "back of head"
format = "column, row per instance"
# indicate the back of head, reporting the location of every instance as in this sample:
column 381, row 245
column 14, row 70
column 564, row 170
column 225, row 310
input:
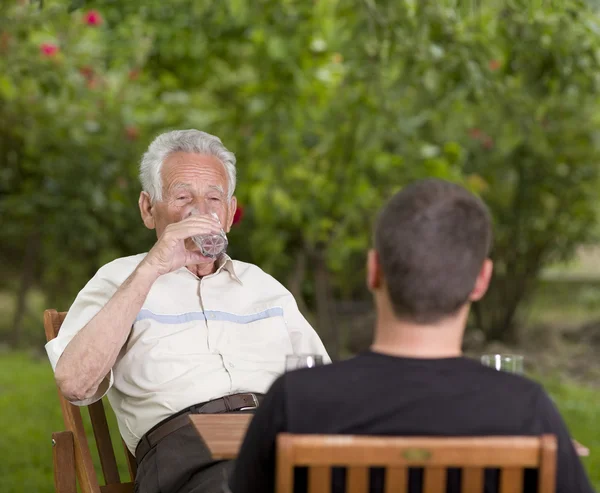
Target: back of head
column 432, row 239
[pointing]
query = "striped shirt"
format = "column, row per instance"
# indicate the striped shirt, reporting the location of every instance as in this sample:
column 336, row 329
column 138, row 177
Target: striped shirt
column 193, row 340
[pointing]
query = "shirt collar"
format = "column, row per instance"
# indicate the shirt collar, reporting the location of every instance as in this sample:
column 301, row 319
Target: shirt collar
column 224, row 262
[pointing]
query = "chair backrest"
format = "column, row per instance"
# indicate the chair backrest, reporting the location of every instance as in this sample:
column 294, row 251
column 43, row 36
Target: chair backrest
column 86, row 475
column 434, row 454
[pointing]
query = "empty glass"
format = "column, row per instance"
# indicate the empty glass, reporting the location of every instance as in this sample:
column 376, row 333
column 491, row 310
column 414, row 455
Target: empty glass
column 211, row 245
column 297, row 361
column 512, row 363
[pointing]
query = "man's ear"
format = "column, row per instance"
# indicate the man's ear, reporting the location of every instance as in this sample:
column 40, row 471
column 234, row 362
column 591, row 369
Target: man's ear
column 145, row 204
column 374, row 274
column 483, row 281
column 231, row 214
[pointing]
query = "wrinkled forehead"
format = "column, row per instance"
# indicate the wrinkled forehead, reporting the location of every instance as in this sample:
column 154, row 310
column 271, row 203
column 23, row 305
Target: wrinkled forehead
column 193, row 172
column 195, row 187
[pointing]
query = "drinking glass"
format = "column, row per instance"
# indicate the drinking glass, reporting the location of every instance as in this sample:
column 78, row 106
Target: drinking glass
column 296, row 361
column 211, row 245
column 512, row 363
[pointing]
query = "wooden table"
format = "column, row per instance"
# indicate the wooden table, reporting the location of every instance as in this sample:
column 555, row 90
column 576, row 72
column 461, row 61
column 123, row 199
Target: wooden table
column 224, row 434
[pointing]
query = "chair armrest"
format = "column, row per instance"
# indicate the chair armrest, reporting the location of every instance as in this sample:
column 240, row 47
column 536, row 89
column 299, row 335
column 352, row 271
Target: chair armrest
column 63, row 455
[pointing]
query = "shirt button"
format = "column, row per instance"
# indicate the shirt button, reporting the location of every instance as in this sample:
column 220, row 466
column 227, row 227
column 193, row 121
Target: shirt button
column 230, row 365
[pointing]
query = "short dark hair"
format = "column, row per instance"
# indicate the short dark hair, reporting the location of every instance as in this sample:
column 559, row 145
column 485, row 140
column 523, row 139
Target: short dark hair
column 432, row 238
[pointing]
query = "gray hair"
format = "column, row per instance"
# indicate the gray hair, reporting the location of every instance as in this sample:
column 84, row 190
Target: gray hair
column 182, row 141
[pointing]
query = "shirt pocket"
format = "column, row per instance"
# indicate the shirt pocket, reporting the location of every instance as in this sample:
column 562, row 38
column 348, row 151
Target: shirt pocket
column 260, row 337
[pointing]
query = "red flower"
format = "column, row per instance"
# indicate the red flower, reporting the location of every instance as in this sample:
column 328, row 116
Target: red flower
column 48, row 49
column 87, row 72
column 132, row 133
column 494, row 64
column 93, row 18
column 239, row 213
column 134, row 74
column 475, row 133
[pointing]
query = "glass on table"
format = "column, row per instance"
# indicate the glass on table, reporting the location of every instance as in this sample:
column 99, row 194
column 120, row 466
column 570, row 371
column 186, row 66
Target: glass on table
column 512, row 363
column 297, row 361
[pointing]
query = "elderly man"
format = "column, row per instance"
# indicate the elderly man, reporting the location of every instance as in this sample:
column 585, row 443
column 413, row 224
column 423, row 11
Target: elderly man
column 429, row 263
column 172, row 332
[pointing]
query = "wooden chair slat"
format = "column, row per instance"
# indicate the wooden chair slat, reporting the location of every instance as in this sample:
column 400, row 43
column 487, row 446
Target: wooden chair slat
column 547, row 471
column 472, row 480
column 284, row 465
column 104, row 444
column 396, row 480
column 84, row 466
column 357, row 480
column 319, row 479
column 511, row 480
column 63, row 455
column 478, row 452
column 434, row 480
column 117, row 488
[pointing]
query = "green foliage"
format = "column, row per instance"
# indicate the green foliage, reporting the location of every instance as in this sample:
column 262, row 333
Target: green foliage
column 330, row 107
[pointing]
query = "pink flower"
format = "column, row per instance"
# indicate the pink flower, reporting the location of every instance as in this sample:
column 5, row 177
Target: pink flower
column 48, row 49
column 93, row 18
column 494, row 64
column 237, row 217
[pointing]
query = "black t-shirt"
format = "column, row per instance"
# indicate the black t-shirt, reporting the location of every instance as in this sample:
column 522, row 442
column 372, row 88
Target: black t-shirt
column 377, row 394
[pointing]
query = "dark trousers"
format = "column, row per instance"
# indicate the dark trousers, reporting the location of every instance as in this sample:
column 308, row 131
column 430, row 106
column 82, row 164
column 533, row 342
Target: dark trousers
column 182, row 463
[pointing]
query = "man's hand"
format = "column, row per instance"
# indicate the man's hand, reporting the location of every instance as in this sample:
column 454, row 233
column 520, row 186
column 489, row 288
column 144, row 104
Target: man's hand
column 169, row 253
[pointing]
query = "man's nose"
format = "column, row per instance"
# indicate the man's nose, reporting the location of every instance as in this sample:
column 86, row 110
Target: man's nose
column 198, row 208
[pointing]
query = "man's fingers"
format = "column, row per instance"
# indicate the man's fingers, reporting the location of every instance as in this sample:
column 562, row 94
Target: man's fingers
column 183, row 230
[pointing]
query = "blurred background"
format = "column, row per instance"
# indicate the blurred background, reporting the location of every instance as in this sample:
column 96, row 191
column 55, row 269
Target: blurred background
column 330, row 107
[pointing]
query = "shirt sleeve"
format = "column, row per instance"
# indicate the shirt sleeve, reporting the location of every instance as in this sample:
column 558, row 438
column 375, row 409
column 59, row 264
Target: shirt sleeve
column 305, row 339
column 88, row 303
column 570, row 474
column 255, row 466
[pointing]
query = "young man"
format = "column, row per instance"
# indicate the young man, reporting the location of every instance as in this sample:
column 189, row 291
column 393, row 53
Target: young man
column 429, row 263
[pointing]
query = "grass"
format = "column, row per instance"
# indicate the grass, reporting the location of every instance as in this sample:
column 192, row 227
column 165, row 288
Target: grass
column 30, row 413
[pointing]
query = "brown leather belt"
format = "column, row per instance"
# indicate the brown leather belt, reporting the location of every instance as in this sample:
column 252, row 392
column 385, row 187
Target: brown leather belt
column 228, row 403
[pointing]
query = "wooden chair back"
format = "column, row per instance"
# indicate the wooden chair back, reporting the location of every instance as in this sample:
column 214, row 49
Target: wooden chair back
column 72, row 455
column 396, row 455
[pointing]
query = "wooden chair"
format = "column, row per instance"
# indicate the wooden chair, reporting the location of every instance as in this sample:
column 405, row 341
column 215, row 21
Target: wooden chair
column 357, row 453
column 71, row 451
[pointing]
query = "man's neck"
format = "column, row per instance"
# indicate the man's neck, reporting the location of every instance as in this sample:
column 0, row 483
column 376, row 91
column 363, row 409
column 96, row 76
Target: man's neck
column 407, row 339
column 202, row 270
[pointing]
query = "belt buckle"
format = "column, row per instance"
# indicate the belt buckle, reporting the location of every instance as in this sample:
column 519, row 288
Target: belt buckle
column 255, row 399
